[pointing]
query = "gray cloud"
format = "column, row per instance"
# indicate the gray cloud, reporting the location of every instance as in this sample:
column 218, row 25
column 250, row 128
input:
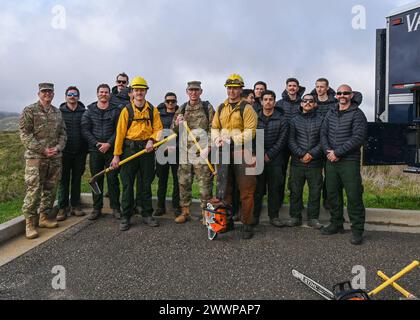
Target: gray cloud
column 172, row 42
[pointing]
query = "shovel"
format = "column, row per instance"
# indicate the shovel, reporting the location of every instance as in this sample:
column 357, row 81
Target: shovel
column 93, row 182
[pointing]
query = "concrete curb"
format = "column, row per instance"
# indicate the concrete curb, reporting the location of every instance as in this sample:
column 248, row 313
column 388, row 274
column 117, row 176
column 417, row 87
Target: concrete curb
column 388, row 220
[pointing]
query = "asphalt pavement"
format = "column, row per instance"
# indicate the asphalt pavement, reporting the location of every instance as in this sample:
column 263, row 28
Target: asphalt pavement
column 179, row 262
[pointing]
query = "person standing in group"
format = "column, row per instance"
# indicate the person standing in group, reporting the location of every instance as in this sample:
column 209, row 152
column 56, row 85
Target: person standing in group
column 167, row 112
column 307, row 163
column 234, row 126
column 74, row 156
column 259, row 88
column 42, row 132
column 276, row 130
column 198, row 115
column 344, row 131
column 99, row 125
column 139, row 128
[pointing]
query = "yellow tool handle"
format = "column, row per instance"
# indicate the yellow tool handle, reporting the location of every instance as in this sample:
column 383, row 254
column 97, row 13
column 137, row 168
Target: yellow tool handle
column 134, row 156
column 199, row 147
column 397, row 287
column 390, row 281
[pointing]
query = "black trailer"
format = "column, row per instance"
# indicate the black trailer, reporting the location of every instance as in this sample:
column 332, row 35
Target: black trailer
column 394, row 138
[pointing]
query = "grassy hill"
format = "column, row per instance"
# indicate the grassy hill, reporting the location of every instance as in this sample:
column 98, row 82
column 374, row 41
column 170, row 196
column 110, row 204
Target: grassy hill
column 385, row 187
column 9, row 124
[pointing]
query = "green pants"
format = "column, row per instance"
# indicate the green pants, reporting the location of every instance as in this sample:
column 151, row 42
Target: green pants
column 71, row 179
column 98, row 162
column 41, row 180
column 144, row 169
column 347, row 175
column 298, row 177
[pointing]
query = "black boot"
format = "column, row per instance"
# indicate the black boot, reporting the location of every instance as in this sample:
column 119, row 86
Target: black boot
column 95, row 214
column 332, row 229
column 247, row 232
column 356, row 238
column 124, row 224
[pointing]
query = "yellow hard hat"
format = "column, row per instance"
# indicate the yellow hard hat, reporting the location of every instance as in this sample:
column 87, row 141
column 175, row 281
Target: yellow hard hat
column 235, row 80
column 139, row 83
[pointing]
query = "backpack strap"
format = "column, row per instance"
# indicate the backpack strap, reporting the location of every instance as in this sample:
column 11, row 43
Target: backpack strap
column 242, row 107
column 130, row 110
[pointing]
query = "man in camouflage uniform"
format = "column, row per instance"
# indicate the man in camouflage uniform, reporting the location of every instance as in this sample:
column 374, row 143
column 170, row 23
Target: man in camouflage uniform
column 42, row 132
column 199, row 115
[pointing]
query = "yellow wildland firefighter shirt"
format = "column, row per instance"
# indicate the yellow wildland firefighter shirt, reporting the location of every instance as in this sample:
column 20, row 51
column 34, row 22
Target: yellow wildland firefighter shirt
column 141, row 128
column 229, row 124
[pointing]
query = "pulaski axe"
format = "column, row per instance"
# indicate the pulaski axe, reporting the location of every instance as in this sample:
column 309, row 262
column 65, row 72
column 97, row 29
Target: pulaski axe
column 93, row 181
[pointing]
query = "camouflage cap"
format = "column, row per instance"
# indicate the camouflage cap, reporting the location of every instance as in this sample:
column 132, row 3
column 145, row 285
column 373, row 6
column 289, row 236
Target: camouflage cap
column 194, row 85
column 46, row 86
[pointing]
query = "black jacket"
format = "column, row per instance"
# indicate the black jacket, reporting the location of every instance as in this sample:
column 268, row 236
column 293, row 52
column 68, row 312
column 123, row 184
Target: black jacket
column 100, row 125
column 276, row 131
column 344, row 132
column 120, row 99
column 331, row 102
column 305, row 137
column 73, row 119
column 288, row 107
column 166, row 117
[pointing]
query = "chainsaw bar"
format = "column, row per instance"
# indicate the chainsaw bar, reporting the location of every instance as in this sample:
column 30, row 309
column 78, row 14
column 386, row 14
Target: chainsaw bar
column 315, row 286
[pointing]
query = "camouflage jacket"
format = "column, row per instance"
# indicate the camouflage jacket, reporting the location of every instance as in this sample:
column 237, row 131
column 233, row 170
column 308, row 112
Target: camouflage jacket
column 196, row 118
column 41, row 129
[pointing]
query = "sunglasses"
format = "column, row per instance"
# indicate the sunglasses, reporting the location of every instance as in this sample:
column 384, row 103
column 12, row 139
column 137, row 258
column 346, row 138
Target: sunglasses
column 308, row 101
column 72, row 95
column 121, row 82
column 171, row 101
column 345, row 93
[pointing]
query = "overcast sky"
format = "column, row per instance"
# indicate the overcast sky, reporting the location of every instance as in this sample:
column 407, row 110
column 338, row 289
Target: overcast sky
column 170, row 42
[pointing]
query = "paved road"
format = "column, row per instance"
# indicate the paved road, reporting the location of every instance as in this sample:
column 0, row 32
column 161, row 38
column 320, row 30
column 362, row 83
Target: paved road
column 178, row 262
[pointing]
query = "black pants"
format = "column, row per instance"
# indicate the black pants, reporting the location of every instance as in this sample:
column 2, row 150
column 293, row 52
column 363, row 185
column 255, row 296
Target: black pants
column 162, row 172
column 98, row 162
column 73, row 168
column 271, row 180
column 144, row 169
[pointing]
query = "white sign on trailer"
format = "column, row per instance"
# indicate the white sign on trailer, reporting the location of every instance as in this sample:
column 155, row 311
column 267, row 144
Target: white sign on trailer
column 413, row 22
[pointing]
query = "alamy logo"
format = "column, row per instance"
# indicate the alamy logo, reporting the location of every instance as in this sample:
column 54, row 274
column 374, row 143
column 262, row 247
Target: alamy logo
column 413, row 22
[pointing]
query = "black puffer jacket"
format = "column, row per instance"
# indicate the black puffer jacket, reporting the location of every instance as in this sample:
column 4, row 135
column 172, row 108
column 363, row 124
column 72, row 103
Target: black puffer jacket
column 257, row 105
column 100, row 125
column 331, row 102
column 288, row 107
column 276, row 131
column 344, row 132
column 305, row 137
column 166, row 117
column 73, row 119
column 120, row 99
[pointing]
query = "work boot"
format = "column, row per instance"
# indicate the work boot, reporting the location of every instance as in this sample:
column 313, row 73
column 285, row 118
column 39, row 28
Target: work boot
column 185, row 215
column 95, row 214
column 293, row 222
column 151, row 222
column 62, row 214
column 77, row 212
column 356, row 238
column 247, row 232
column 31, row 232
column 177, row 212
column 116, row 213
column 276, row 222
column 159, row 212
column 315, row 224
column 124, row 224
column 45, row 223
column 331, row 229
